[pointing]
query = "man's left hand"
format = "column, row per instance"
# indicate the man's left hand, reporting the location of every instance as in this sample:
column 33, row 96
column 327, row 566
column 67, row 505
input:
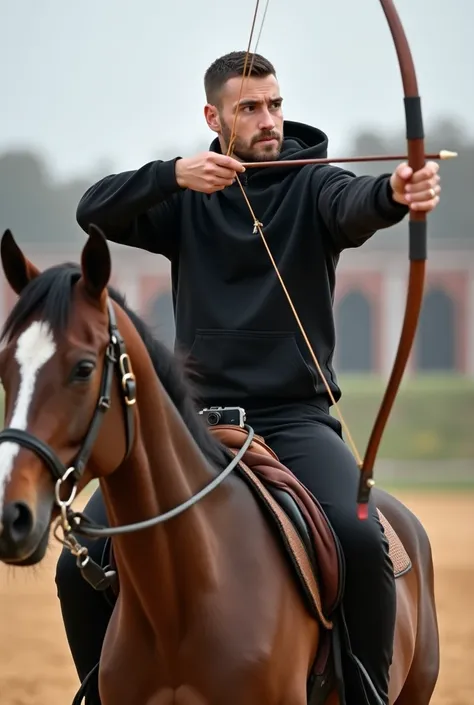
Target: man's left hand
column 420, row 190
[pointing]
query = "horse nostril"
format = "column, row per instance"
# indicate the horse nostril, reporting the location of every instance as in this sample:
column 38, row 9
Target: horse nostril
column 17, row 521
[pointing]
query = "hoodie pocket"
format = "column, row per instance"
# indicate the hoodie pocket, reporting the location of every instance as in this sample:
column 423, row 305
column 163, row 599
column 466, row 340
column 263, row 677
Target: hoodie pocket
column 238, row 364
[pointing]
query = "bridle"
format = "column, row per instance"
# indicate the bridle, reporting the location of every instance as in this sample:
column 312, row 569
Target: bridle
column 117, row 361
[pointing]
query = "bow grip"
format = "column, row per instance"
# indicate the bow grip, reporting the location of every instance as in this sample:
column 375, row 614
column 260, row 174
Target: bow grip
column 416, row 150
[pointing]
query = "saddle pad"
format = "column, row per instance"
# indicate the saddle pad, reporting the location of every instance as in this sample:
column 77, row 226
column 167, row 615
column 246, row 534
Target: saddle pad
column 398, row 555
column 293, row 544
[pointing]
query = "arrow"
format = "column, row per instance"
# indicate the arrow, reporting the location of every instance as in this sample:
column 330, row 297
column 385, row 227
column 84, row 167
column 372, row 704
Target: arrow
column 443, row 154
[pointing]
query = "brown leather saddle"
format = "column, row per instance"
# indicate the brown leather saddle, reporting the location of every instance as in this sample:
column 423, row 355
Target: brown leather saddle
column 302, row 525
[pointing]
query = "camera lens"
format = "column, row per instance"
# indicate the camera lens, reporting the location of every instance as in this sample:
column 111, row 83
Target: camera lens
column 213, row 418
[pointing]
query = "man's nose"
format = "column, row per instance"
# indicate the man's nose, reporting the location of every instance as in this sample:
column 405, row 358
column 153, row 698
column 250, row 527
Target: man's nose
column 266, row 122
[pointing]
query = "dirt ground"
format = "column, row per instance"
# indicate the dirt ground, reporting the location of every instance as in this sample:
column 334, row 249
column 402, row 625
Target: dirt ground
column 36, row 669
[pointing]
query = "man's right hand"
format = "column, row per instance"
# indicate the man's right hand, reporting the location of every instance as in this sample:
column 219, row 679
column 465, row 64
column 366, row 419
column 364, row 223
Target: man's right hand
column 207, row 172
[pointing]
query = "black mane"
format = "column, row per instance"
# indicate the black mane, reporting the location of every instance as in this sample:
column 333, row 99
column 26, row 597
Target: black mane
column 50, row 295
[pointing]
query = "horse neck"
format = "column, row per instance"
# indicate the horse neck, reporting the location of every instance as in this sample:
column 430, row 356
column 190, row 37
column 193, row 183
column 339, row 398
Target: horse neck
column 161, row 566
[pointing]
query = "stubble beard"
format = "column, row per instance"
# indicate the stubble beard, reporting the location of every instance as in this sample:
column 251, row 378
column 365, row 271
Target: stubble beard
column 247, row 153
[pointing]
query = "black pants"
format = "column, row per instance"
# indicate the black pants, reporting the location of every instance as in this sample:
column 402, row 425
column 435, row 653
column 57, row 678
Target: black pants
column 308, row 441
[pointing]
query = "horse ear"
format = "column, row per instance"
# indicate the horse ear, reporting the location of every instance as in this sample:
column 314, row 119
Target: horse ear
column 18, row 269
column 95, row 262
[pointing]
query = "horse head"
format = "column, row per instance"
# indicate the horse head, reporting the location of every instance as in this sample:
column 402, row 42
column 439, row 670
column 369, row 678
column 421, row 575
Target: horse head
column 61, row 346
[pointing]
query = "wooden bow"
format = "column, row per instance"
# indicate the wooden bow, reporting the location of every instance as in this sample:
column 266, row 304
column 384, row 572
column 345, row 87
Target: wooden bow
column 417, row 251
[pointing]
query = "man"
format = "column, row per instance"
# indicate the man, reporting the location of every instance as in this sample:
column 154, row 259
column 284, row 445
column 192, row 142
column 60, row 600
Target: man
column 234, row 320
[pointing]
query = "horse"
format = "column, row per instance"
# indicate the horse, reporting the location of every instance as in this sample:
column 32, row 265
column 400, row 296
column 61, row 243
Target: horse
column 222, row 588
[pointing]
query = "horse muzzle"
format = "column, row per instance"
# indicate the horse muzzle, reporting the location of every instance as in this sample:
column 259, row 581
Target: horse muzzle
column 24, row 532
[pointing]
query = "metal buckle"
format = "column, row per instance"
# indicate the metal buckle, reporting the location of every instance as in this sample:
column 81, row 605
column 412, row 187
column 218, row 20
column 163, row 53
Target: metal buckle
column 128, row 379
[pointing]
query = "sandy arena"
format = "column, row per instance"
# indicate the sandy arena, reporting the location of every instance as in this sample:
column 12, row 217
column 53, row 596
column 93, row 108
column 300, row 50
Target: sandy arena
column 36, row 669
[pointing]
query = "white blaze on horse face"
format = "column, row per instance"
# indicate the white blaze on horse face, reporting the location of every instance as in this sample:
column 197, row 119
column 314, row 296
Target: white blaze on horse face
column 34, row 348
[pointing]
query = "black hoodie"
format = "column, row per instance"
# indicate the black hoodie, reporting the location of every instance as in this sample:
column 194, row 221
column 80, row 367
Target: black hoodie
column 231, row 313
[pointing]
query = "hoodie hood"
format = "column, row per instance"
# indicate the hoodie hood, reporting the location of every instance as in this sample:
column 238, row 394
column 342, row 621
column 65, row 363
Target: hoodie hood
column 303, row 142
column 300, row 141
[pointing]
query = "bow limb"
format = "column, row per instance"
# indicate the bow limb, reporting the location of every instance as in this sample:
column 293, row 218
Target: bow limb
column 417, row 251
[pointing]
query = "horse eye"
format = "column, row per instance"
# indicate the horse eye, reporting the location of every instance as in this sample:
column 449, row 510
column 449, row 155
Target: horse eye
column 83, row 370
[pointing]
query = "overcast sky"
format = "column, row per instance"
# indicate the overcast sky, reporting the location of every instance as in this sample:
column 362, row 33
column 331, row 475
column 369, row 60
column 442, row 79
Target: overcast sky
column 116, row 81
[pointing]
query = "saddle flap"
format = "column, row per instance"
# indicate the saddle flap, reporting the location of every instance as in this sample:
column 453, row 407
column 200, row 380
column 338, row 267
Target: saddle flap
column 263, row 468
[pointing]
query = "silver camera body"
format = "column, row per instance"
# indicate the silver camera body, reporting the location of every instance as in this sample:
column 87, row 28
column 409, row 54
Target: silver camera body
column 229, row 415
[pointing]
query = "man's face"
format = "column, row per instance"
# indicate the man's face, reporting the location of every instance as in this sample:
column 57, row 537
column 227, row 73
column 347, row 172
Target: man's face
column 259, row 127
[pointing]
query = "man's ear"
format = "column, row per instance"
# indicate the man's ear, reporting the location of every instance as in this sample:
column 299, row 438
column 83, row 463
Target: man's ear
column 213, row 120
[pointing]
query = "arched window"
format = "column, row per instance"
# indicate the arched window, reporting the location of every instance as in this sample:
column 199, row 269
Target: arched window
column 354, row 327
column 161, row 319
column 435, row 348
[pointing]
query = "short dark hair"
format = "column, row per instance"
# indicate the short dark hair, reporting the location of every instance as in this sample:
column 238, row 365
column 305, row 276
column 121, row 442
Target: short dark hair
column 230, row 66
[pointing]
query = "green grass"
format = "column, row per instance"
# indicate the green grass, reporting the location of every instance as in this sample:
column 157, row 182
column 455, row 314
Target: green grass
column 431, row 419
column 462, row 488
column 428, row 384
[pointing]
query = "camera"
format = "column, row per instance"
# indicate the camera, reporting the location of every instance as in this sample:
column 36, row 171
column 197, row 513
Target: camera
column 231, row 415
